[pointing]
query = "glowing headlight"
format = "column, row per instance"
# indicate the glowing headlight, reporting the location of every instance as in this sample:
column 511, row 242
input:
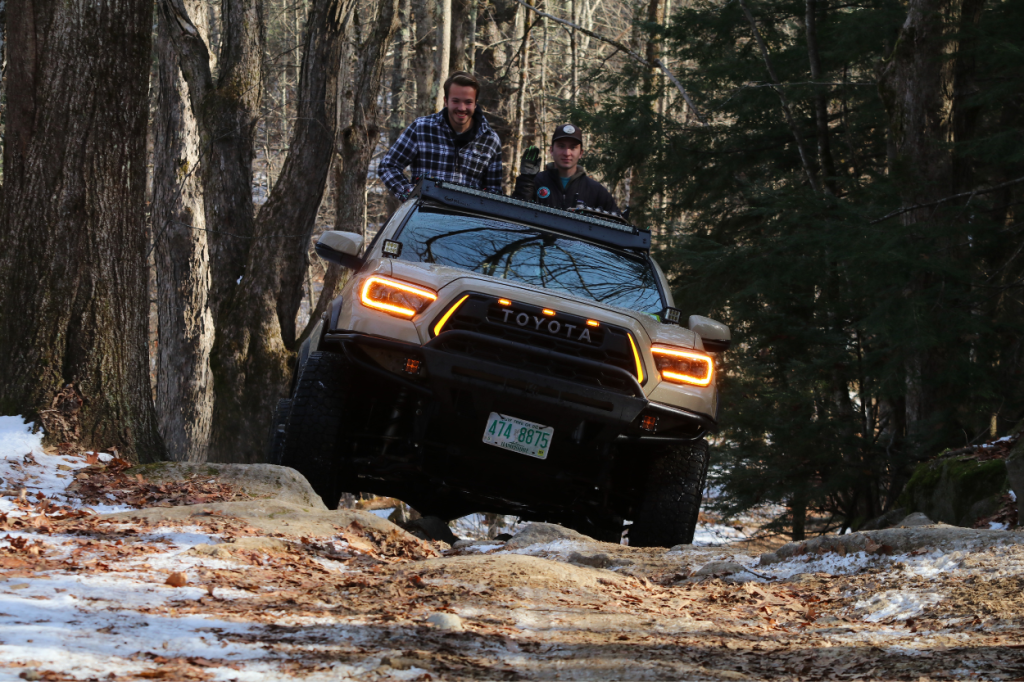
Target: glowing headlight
column 683, row 366
column 395, row 297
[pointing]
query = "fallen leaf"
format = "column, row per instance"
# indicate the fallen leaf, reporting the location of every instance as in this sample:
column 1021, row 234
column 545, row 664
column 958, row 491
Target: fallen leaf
column 177, row 580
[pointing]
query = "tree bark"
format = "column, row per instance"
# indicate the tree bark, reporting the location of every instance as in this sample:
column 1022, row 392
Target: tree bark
column 444, row 49
column 73, row 274
column 359, row 137
column 424, row 63
column 825, row 162
column 184, row 387
column 399, row 92
column 250, row 360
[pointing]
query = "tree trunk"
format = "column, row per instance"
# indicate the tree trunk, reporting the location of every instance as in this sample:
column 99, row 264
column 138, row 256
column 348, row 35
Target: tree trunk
column 359, row 138
column 825, row 162
column 912, row 84
column 184, row 387
column 399, row 92
column 251, row 363
column 444, row 49
column 73, row 274
column 424, row 63
column 524, row 80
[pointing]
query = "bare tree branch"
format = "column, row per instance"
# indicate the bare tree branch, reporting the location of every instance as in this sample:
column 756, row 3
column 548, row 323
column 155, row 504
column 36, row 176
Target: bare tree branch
column 619, row 46
column 954, row 197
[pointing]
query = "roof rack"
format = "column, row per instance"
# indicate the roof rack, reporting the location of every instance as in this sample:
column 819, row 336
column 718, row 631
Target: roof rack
column 497, row 205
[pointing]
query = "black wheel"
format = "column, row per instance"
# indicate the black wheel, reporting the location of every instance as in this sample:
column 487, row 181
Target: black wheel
column 317, row 425
column 275, row 440
column 667, row 515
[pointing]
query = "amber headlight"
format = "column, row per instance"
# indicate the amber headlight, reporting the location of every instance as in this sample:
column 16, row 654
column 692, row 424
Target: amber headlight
column 394, row 297
column 683, row 366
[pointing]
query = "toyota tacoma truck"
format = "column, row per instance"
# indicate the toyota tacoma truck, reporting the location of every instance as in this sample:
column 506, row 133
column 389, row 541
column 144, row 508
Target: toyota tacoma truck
column 489, row 354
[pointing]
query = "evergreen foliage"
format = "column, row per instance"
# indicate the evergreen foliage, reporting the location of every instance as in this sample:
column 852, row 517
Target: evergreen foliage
column 839, row 317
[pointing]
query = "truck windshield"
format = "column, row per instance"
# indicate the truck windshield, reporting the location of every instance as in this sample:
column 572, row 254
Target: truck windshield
column 530, row 255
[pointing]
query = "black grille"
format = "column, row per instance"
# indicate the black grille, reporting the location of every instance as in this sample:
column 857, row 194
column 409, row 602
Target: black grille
column 528, row 327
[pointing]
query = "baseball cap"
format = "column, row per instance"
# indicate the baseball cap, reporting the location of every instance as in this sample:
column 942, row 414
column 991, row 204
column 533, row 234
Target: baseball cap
column 567, row 130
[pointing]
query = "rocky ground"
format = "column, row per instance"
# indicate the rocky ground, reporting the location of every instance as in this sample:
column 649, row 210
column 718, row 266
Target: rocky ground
column 228, row 573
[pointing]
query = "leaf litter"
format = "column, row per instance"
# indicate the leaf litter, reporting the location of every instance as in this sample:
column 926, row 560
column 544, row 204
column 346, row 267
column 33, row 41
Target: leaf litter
column 84, row 596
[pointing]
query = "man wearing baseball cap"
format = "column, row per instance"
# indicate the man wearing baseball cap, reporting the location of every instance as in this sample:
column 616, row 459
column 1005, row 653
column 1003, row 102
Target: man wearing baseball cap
column 562, row 184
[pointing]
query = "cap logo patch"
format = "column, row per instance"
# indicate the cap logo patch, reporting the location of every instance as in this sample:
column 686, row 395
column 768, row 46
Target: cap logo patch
column 543, row 192
column 569, row 129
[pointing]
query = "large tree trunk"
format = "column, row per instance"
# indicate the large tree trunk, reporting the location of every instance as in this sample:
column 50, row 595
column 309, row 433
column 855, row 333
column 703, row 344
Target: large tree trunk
column 73, row 275
column 913, row 86
column 251, row 362
column 424, row 63
column 825, row 163
column 358, row 139
column 184, row 387
column 444, row 49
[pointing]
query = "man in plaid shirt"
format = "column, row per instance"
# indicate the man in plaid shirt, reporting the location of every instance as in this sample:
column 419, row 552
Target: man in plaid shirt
column 456, row 144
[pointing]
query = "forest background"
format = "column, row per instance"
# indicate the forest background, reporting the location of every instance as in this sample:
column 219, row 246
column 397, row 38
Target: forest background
column 840, row 188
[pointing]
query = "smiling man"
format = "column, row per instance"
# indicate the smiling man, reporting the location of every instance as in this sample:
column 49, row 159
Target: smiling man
column 456, row 144
column 563, row 184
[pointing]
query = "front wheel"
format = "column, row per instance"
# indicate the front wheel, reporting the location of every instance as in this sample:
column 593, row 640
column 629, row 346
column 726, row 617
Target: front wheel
column 319, row 425
column 668, row 513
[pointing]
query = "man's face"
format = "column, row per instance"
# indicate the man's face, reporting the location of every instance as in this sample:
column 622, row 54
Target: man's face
column 461, row 103
column 566, row 153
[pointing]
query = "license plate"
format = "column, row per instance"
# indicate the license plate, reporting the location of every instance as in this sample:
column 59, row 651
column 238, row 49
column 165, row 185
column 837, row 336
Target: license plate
column 517, row 435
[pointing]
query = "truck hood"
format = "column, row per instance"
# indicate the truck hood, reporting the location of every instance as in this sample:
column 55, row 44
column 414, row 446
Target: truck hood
column 449, row 282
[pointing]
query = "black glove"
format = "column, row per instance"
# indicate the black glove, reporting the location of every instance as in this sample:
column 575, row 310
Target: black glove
column 529, row 164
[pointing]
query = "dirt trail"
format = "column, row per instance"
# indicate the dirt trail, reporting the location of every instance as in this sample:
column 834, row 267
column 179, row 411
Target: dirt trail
column 269, row 591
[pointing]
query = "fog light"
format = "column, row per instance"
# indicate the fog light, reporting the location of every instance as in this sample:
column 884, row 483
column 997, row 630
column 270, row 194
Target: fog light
column 412, row 366
column 649, row 423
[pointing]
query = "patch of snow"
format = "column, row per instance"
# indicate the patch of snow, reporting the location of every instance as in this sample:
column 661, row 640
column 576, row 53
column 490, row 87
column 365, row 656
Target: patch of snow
column 24, row 464
column 1013, row 496
column 830, row 563
column 896, row 604
column 714, row 534
column 931, row 565
column 483, row 548
column 382, row 513
column 995, row 525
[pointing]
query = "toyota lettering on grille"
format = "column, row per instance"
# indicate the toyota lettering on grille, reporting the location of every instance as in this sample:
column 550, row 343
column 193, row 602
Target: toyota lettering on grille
column 554, row 327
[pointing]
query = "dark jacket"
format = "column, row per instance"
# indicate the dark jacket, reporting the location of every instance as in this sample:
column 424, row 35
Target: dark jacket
column 546, row 188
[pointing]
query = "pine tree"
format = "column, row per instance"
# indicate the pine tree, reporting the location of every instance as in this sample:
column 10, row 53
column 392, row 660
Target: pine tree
column 792, row 217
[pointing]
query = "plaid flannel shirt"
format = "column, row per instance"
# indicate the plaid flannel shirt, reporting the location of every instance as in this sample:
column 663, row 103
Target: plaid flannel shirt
column 428, row 147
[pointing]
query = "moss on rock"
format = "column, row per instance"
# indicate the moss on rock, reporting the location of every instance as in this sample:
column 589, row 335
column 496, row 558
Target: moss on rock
column 955, row 491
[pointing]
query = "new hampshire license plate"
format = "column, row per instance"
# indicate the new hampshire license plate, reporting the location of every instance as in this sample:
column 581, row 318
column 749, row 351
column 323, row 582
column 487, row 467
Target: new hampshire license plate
column 517, row 435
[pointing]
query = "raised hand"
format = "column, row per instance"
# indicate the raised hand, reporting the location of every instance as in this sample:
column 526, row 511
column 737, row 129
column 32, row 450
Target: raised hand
column 529, row 164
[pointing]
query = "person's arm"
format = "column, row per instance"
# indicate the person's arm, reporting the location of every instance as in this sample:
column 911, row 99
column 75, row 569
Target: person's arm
column 398, row 157
column 492, row 176
column 529, row 166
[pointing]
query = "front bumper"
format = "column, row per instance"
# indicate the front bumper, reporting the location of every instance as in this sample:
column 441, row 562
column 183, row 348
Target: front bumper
column 569, row 393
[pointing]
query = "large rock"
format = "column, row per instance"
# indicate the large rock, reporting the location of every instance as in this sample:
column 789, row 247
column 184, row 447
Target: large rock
column 898, row 541
column 954, row 490
column 543, row 533
column 269, row 516
column 258, row 480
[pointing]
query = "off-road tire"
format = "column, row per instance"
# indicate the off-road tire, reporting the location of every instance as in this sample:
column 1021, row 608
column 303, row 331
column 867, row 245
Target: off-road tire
column 275, row 439
column 667, row 514
column 318, row 424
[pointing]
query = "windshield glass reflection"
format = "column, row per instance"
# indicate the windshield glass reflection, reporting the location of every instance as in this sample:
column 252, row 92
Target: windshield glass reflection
column 524, row 254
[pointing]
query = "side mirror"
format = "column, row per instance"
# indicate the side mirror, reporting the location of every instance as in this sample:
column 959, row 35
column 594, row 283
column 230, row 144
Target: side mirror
column 714, row 335
column 341, row 248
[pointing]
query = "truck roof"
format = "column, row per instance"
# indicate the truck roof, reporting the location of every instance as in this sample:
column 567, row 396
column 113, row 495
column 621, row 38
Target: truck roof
column 567, row 222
